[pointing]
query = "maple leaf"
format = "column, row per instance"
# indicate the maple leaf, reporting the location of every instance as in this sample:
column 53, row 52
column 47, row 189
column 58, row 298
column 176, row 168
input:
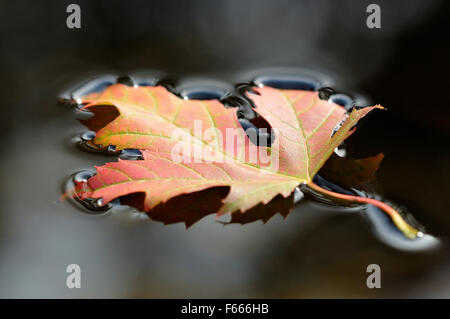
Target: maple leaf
column 349, row 172
column 219, row 177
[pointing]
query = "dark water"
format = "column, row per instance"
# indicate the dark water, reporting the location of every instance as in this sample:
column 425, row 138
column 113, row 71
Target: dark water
column 319, row 250
column 315, row 252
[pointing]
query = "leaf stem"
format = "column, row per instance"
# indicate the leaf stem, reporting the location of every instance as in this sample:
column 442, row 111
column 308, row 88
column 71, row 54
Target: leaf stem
column 396, row 218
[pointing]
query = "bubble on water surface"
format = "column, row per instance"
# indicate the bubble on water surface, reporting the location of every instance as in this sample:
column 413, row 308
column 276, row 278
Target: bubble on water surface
column 92, row 206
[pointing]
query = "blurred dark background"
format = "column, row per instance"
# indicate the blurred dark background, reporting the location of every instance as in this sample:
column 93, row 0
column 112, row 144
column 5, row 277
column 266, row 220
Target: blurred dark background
column 314, row 253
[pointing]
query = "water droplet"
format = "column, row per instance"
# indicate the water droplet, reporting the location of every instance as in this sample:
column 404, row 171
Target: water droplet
column 202, row 88
column 170, row 84
column 87, row 136
column 256, row 135
column 146, row 77
column 91, row 147
column 325, row 93
column 257, row 128
column 93, row 206
column 298, row 195
column 85, row 143
column 238, row 98
column 243, row 87
column 131, row 154
column 92, row 85
column 125, row 80
column 343, row 100
column 111, row 149
column 341, row 150
column 288, row 82
column 231, row 100
column 202, row 93
column 337, row 127
column 246, row 124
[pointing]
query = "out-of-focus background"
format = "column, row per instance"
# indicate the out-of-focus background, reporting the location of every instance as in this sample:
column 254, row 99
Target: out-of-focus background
column 317, row 251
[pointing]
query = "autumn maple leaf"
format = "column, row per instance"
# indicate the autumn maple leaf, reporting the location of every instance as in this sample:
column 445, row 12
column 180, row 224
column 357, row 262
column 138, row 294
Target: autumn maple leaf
column 215, row 170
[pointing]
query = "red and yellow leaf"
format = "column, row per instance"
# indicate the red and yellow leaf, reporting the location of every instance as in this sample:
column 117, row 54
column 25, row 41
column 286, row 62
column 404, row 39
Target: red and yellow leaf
column 161, row 124
column 349, row 172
